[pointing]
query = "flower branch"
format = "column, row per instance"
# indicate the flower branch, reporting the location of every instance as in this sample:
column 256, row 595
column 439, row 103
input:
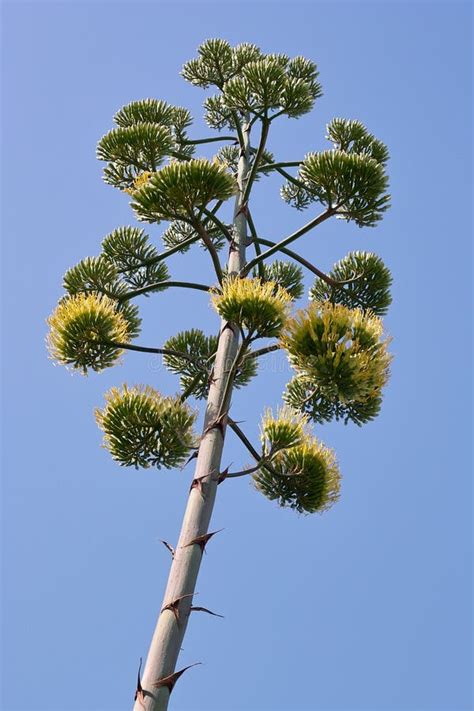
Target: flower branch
column 162, row 285
column 329, row 212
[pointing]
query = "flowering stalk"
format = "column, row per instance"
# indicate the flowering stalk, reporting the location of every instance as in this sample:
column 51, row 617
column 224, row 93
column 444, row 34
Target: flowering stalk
column 170, row 628
column 335, row 344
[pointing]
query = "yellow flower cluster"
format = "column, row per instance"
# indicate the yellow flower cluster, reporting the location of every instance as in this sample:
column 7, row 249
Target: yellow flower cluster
column 260, row 307
column 340, row 349
column 302, row 473
column 285, row 429
column 304, row 476
column 81, row 330
column 316, row 466
column 139, row 181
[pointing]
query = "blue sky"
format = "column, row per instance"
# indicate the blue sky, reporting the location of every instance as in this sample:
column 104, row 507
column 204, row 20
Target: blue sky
column 366, row 608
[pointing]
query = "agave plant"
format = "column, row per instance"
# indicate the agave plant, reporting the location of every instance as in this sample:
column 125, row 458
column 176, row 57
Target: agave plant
column 334, row 342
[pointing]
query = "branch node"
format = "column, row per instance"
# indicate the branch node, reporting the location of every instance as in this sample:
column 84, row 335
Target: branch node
column 219, row 423
column 243, row 210
column 233, row 247
column 174, row 606
column 198, row 484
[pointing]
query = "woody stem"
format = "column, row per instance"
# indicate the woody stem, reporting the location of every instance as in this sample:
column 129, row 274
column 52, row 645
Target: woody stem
column 168, row 636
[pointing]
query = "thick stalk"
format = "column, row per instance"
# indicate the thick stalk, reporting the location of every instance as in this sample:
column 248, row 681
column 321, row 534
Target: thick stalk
column 171, row 625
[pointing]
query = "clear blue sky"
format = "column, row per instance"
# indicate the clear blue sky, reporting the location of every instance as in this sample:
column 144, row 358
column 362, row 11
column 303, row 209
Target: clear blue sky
column 366, row 608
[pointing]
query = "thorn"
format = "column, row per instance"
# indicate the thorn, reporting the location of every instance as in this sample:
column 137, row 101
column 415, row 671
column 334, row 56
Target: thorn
column 198, row 484
column 170, row 680
column 174, row 606
column 243, row 209
column 140, row 692
column 190, row 458
column 204, row 609
column 169, row 547
column 235, row 422
column 201, row 541
column 223, row 475
column 219, row 423
column 211, row 379
column 139, row 682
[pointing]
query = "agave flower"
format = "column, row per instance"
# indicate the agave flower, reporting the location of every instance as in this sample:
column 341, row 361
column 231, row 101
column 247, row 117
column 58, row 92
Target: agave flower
column 306, row 397
column 83, row 329
column 140, row 180
column 131, row 150
column 304, row 477
column 143, row 428
column 196, row 372
column 175, row 191
column 284, row 430
column 260, row 307
column 351, row 184
column 339, row 349
column 368, row 287
column 336, row 345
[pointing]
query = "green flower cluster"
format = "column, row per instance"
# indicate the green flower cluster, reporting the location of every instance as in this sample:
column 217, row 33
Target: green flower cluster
column 195, row 371
column 175, row 191
column 251, row 81
column 302, row 472
column 147, row 132
column 143, row 428
column 367, row 286
column 350, row 180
